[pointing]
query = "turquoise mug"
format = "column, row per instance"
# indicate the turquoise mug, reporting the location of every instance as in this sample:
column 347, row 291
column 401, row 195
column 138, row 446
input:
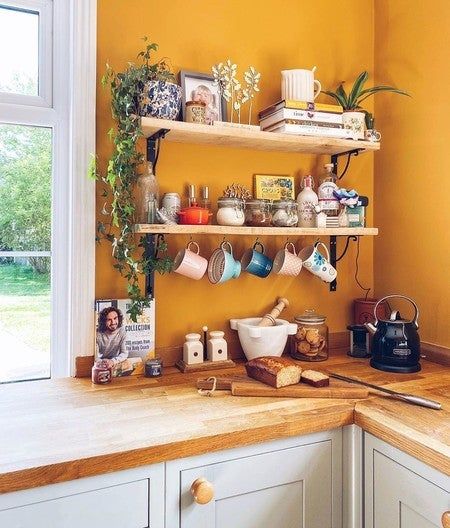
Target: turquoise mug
column 222, row 266
column 256, row 262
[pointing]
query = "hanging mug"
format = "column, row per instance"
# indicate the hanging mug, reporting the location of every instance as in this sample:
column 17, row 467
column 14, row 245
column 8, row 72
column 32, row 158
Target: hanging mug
column 222, row 265
column 287, row 262
column 256, row 262
column 190, row 263
column 316, row 263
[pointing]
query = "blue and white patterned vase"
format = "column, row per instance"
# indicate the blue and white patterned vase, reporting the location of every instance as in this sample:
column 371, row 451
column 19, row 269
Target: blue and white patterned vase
column 160, row 99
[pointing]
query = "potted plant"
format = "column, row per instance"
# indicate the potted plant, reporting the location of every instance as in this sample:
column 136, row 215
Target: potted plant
column 354, row 115
column 136, row 86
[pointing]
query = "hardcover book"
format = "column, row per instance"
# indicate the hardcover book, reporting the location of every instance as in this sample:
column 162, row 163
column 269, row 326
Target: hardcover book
column 300, row 105
column 127, row 343
column 310, row 130
column 302, row 115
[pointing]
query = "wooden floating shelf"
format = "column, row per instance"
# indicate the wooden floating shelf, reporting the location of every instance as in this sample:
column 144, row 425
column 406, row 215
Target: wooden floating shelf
column 181, row 132
column 229, row 230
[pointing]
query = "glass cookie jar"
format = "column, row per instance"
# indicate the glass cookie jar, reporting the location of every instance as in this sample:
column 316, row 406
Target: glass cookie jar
column 284, row 213
column 258, row 213
column 310, row 343
column 230, row 211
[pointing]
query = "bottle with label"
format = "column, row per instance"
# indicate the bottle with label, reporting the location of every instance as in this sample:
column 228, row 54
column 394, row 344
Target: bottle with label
column 147, row 196
column 328, row 202
column 306, row 200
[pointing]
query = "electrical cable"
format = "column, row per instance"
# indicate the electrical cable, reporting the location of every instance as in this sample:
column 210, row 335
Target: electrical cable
column 367, row 290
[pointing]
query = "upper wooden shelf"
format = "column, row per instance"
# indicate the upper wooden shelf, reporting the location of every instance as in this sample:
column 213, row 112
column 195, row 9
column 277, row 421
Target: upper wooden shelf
column 229, row 230
column 182, row 132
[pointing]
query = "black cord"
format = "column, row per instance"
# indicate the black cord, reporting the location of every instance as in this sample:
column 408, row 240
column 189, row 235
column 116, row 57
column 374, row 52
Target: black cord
column 367, row 290
column 346, row 166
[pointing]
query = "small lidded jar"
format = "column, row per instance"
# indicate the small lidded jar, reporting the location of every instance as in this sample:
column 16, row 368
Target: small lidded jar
column 310, row 343
column 258, row 213
column 195, row 112
column 284, row 213
column 101, row 372
column 230, row 211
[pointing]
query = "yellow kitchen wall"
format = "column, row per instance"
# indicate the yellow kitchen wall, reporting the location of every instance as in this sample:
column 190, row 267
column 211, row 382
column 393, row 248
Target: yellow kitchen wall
column 412, row 182
column 272, row 36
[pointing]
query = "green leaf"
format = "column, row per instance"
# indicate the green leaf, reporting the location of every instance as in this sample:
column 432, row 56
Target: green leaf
column 356, row 90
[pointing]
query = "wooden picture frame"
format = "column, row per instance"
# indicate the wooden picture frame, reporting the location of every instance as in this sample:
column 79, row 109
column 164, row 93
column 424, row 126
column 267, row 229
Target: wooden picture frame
column 207, row 91
column 273, row 186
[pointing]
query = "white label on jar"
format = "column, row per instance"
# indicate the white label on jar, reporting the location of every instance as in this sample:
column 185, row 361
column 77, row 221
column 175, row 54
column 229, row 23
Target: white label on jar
column 353, row 217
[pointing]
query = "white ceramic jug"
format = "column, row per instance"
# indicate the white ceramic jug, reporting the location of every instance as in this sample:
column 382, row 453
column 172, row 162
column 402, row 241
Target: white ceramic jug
column 299, row 85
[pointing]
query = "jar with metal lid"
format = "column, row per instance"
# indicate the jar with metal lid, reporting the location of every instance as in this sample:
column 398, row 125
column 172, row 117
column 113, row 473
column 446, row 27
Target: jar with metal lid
column 102, row 372
column 284, row 213
column 310, row 343
column 195, row 112
column 230, row 211
column 258, row 213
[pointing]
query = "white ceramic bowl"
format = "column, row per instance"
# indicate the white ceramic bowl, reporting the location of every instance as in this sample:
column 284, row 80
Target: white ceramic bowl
column 258, row 341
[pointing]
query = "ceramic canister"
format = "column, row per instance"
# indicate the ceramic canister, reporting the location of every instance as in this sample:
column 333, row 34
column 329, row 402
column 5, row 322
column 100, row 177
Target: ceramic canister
column 256, row 262
column 222, row 265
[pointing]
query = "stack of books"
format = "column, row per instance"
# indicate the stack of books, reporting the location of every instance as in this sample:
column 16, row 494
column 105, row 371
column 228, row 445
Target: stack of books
column 303, row 118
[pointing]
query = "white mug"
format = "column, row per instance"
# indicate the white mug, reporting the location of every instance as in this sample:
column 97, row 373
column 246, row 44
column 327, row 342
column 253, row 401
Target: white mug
column 316, row 263
column 299, row 85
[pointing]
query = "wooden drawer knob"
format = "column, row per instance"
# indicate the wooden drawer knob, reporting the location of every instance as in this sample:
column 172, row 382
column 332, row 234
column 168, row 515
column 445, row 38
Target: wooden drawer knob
column 202, row 490
column 445, row 519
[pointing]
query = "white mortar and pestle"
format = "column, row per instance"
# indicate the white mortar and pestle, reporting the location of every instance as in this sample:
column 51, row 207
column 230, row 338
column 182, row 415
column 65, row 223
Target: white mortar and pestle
column 264, row 336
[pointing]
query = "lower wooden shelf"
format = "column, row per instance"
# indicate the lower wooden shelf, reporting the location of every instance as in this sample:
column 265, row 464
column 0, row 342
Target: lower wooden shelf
column 249, row 231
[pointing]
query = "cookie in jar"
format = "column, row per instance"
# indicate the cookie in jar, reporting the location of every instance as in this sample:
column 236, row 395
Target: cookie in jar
column 310, row 343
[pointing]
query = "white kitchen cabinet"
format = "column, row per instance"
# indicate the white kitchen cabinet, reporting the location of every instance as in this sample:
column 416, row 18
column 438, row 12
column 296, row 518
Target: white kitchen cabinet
column 125, row 499
column 292, row 483
column 400, row 491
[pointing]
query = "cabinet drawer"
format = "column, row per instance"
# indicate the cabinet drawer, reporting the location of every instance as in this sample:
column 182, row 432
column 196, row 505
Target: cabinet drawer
column 121, row 506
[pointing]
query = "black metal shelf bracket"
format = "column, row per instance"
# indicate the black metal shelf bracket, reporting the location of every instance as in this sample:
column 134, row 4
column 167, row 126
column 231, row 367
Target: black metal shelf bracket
column 334, row 259
column 153, row 145
column 151, row 244
column 349, row 154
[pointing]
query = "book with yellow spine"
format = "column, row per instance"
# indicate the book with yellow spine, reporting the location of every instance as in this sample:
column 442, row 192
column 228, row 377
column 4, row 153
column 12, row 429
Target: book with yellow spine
column 301, row 105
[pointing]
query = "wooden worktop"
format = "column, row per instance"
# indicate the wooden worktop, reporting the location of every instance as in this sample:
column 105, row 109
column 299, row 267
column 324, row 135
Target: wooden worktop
column 58, row 430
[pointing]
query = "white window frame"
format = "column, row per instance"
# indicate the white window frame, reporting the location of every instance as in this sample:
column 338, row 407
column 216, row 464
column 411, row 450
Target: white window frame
column 71, row 62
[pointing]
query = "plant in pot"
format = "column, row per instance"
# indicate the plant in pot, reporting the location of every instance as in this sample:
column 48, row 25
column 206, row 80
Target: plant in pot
column 354, row 115
column 128, row 89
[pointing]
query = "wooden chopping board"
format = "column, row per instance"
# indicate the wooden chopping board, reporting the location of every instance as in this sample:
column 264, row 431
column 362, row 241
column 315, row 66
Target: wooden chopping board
column 244, row 386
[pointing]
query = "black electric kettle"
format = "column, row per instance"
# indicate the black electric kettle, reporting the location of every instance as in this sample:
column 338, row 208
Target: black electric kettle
column 396, row 342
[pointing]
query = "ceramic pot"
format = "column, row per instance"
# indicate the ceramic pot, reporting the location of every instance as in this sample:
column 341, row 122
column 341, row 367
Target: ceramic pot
column 194, row 216
column 354, row 123
column 160, row 99
column 258, row 341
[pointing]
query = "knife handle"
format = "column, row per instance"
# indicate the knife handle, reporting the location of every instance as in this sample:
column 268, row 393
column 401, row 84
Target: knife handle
column 417, row 400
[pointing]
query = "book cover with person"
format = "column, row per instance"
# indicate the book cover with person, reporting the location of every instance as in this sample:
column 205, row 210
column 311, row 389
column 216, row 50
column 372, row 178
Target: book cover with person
column 124, row 343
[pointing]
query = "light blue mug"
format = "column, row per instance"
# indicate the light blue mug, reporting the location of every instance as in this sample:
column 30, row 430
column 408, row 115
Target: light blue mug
column 256, row 262
column 222, row 265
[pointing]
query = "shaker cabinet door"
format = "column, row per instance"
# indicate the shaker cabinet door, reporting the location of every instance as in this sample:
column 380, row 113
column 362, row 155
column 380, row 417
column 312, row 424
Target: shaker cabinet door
column 284, row 488
column 402, row 492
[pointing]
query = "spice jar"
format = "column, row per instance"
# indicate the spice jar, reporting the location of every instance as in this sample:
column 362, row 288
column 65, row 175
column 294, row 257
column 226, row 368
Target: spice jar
column 195, row 112
column 284, row 213
column 258, row 213
column 310, row 343
column 230, row 211
column 101, row 372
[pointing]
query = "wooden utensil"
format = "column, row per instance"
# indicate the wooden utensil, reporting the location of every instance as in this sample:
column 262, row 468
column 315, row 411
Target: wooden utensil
column 269, row 319
column 255, row 388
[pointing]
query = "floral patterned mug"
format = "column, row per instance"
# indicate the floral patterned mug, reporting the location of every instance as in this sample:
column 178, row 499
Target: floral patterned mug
column 316, row 263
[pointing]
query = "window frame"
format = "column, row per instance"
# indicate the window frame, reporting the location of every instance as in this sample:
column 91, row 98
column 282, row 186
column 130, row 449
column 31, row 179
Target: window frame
column 71, row 116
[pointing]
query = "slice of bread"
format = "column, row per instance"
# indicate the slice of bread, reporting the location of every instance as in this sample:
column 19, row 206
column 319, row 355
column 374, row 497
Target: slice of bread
column 274, row 371
column 315, row 378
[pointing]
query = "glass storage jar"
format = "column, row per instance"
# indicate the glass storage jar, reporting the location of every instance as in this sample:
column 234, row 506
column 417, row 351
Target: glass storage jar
column 230, row 211
column 310, row 343
column 284, row 213
column 258, row 213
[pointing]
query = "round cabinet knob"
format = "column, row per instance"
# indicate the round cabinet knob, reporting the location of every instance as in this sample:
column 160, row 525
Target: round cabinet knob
column 202, row 490
column 445, row 519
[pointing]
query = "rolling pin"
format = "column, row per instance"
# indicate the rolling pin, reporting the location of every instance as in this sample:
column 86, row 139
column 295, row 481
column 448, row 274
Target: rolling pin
column 269, row 319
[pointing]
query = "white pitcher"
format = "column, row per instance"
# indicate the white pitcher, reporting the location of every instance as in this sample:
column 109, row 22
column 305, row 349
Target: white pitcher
column 299, row 85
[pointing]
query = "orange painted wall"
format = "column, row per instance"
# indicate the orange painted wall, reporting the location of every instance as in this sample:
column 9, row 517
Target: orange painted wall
column 272, row 36
column 412, row 182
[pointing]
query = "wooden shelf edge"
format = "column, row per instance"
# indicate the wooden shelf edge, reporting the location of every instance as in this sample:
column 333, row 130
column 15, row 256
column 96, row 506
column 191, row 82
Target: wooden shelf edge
column 182, row 132
column 250, row 231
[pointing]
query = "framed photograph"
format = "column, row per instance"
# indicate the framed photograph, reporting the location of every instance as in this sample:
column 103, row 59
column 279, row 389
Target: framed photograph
column 274, row 186
column 200, row 87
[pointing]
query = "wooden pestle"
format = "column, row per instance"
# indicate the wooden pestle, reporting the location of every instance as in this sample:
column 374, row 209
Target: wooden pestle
column 269, row 319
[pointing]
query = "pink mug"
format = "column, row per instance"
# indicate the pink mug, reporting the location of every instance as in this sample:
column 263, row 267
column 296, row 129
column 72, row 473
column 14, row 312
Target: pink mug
column 190, row 263
column 287, row 262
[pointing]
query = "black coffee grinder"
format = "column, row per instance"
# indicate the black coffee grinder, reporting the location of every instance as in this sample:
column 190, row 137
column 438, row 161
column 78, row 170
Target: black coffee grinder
column 395, row 342
column 359, row 341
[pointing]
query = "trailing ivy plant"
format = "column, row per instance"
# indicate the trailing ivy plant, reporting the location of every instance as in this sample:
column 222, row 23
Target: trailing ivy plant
column 121, row 174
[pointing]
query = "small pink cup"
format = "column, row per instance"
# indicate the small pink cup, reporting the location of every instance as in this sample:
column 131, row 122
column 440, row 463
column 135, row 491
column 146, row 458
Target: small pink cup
column 287, row 262
column 190, row 263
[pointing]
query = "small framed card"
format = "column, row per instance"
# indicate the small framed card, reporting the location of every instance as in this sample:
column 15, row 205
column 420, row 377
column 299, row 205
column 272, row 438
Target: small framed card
column 274, row 186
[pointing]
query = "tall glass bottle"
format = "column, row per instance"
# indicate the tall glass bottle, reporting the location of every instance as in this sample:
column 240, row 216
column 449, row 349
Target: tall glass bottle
column 329, row 204
column 306, row 200
column 147, row 196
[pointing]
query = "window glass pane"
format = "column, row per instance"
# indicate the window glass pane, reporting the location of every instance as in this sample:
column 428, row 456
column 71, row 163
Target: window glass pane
column 19, row 51
column 25, row 243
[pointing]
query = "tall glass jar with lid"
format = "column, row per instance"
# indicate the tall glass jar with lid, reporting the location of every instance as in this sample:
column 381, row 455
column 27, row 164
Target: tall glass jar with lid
column 310, row 343
column 230, row 211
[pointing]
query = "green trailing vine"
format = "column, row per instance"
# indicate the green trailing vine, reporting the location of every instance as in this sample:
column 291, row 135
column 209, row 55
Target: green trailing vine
column 121, row 174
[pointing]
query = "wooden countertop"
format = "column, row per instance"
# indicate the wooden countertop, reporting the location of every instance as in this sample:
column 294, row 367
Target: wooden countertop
column 58, row 430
